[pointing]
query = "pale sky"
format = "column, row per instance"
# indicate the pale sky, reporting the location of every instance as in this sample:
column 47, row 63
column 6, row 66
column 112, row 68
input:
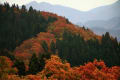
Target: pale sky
column 83, row 5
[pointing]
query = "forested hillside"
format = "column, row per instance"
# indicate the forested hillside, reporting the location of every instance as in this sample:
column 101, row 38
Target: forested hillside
column 32, row 43
column 17, row 25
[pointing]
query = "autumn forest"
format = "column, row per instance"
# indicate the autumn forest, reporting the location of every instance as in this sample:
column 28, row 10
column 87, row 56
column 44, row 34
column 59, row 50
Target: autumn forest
column 38, row 45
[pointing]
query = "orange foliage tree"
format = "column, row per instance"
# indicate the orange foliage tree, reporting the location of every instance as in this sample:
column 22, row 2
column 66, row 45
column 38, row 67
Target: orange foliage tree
column 56, row 69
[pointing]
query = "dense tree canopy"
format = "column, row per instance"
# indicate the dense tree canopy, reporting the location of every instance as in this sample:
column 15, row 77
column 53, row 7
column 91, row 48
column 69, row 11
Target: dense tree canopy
column 17, row 25
column 37, row 35
column 78, row 51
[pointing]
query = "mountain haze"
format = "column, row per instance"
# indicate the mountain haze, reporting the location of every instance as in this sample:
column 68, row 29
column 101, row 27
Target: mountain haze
column 102, row 26
column 76, row 16
column 106, row 24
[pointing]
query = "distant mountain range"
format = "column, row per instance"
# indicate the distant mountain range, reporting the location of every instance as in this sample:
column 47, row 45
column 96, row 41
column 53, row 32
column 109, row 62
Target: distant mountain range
column 100, row 19
column 76, row 16
column 100, row 26
column 107, row 24
column 113, row 32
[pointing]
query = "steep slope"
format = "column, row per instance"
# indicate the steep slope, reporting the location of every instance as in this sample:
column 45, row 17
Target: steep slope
column 33, row 45
column 27, row 29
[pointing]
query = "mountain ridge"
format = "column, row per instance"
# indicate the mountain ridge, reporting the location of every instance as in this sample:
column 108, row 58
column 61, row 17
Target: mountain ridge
column 76, row 16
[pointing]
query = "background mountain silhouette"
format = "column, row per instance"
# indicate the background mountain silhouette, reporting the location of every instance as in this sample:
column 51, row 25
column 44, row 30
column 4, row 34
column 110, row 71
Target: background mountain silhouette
column 76, row 16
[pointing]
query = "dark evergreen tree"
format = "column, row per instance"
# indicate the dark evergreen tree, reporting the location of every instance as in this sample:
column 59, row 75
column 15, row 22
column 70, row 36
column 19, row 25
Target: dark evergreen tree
column 77, row 51
column 53, row 47
column 24, row 8
column 21, row 67
column 31, row 9
column 45, row 46
column 42, row 58
column 41, row 61
column 17, row 25
column 34, row 65
column 109, row 51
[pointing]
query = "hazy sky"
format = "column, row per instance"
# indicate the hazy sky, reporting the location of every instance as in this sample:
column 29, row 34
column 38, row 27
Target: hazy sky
column 83, row 5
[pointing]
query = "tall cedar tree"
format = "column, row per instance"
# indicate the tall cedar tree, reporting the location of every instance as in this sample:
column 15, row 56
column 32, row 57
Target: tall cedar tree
column 45, row 46
column 21, row 67
column 53, row 47
column 34, row 65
